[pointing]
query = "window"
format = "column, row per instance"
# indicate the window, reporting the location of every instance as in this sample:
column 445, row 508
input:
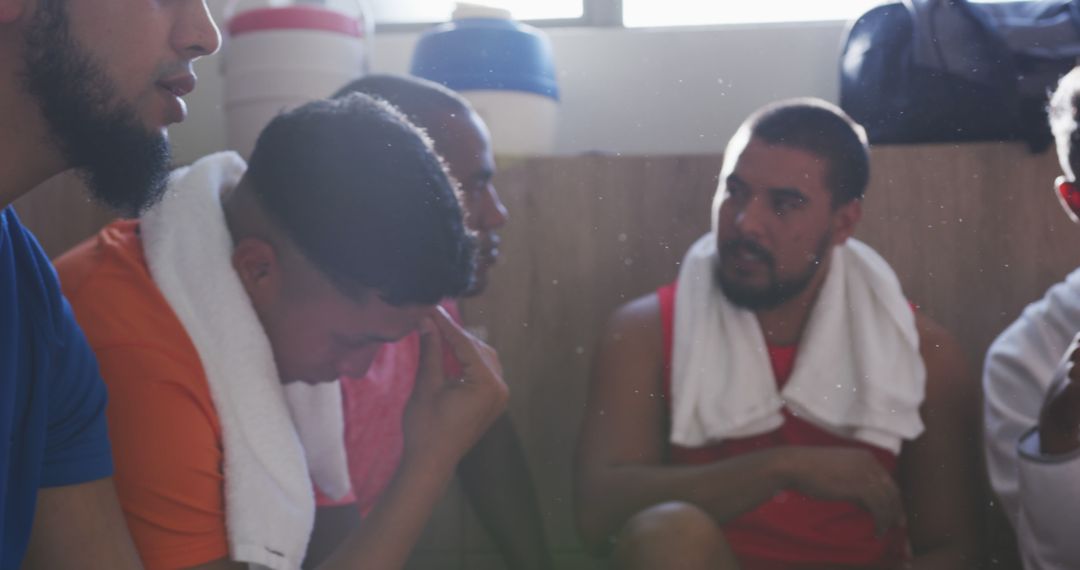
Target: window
column 645, row 13
column 632, row 13
column 648, row 13
column 427, row 11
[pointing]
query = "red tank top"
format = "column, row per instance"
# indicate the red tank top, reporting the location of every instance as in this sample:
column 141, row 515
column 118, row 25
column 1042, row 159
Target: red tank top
column 791, row 531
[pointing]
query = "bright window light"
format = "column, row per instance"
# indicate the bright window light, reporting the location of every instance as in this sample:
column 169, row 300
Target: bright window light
column 424, row 11
column 647, row 13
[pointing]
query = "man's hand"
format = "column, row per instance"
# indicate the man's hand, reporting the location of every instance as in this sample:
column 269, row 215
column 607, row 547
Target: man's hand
column 1059, row 422
column 443, row 419
column 447, row 415
column 843, row 474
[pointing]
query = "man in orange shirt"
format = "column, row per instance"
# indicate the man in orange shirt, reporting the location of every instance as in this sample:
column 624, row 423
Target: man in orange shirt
column 340, row 235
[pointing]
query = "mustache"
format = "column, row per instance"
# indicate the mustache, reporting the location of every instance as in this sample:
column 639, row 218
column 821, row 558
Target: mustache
column 731, row 246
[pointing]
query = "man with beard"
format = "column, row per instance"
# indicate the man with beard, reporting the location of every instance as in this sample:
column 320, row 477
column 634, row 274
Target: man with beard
column 91, row 86
column 224, row 313
column 494, row 474
column 707, row 444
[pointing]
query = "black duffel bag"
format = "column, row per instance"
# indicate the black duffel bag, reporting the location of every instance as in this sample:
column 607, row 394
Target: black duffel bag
column 923, row 71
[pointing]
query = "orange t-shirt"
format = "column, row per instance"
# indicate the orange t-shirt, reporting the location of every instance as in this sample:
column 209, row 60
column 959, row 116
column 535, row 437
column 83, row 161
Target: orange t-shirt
column 165, row 432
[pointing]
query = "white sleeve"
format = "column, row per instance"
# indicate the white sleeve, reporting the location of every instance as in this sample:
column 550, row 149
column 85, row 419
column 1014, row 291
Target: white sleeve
column 1048, row 528
column 1019, row 368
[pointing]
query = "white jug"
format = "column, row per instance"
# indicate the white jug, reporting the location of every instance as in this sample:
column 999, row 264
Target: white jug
column 279, row 54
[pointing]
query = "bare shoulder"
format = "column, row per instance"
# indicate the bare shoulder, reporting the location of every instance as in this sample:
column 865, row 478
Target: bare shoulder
column 629, row 362
column 623, row 420
column 940, row 471
column 639, row 320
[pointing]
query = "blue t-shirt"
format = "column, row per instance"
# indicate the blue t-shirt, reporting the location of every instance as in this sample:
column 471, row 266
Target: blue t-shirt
column 52, row 398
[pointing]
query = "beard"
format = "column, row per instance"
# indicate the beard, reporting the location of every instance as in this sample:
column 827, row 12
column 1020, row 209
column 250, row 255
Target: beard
column 778, row 291
column 124, row 164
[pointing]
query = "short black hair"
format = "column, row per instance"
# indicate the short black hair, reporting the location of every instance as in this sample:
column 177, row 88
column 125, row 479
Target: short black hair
column 421, row 100
column 362, row 194
column 822, row 129
column 1064, row 112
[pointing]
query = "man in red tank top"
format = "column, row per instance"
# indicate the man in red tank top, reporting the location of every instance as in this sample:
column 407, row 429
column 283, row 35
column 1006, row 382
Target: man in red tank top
column 799, row 496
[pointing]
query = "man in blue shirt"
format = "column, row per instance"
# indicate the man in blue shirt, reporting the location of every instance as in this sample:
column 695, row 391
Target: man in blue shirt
column 91, row 86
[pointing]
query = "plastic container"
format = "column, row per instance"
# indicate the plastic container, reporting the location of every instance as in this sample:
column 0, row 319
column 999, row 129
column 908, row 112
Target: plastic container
column 504, row 68
column 280, row 55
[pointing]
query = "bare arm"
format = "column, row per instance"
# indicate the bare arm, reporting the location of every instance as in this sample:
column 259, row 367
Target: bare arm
column 619, row 467
column 80, row 526
column 939, row 471
column 495, row 477
column 385, row 538
column 443, row 420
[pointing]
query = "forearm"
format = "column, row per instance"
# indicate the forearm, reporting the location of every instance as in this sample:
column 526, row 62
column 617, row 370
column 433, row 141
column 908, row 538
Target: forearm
column 725, row 490
column 80, row 526
column 388, row 534
column 496, row 479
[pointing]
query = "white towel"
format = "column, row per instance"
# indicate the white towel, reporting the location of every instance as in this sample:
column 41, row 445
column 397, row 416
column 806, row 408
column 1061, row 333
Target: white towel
column 859, row 373
column 320, row 419
column 269, row 502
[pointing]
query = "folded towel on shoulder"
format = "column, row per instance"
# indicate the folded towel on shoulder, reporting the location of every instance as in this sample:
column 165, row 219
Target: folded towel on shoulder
column 269, row 501
column 858, row 374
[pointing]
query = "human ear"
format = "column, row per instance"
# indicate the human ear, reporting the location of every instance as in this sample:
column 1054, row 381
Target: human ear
column 845, row 219
column 257, row 265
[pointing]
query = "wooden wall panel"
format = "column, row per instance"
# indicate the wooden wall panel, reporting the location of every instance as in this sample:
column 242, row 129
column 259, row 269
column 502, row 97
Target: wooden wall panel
column 585, row 235
column 974, row 233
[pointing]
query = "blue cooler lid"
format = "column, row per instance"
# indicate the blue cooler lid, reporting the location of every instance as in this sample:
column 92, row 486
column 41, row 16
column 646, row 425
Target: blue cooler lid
column 487, row 54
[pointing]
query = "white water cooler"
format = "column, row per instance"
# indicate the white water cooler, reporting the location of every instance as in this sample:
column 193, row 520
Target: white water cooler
column 504, row 68
column 280, row 54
